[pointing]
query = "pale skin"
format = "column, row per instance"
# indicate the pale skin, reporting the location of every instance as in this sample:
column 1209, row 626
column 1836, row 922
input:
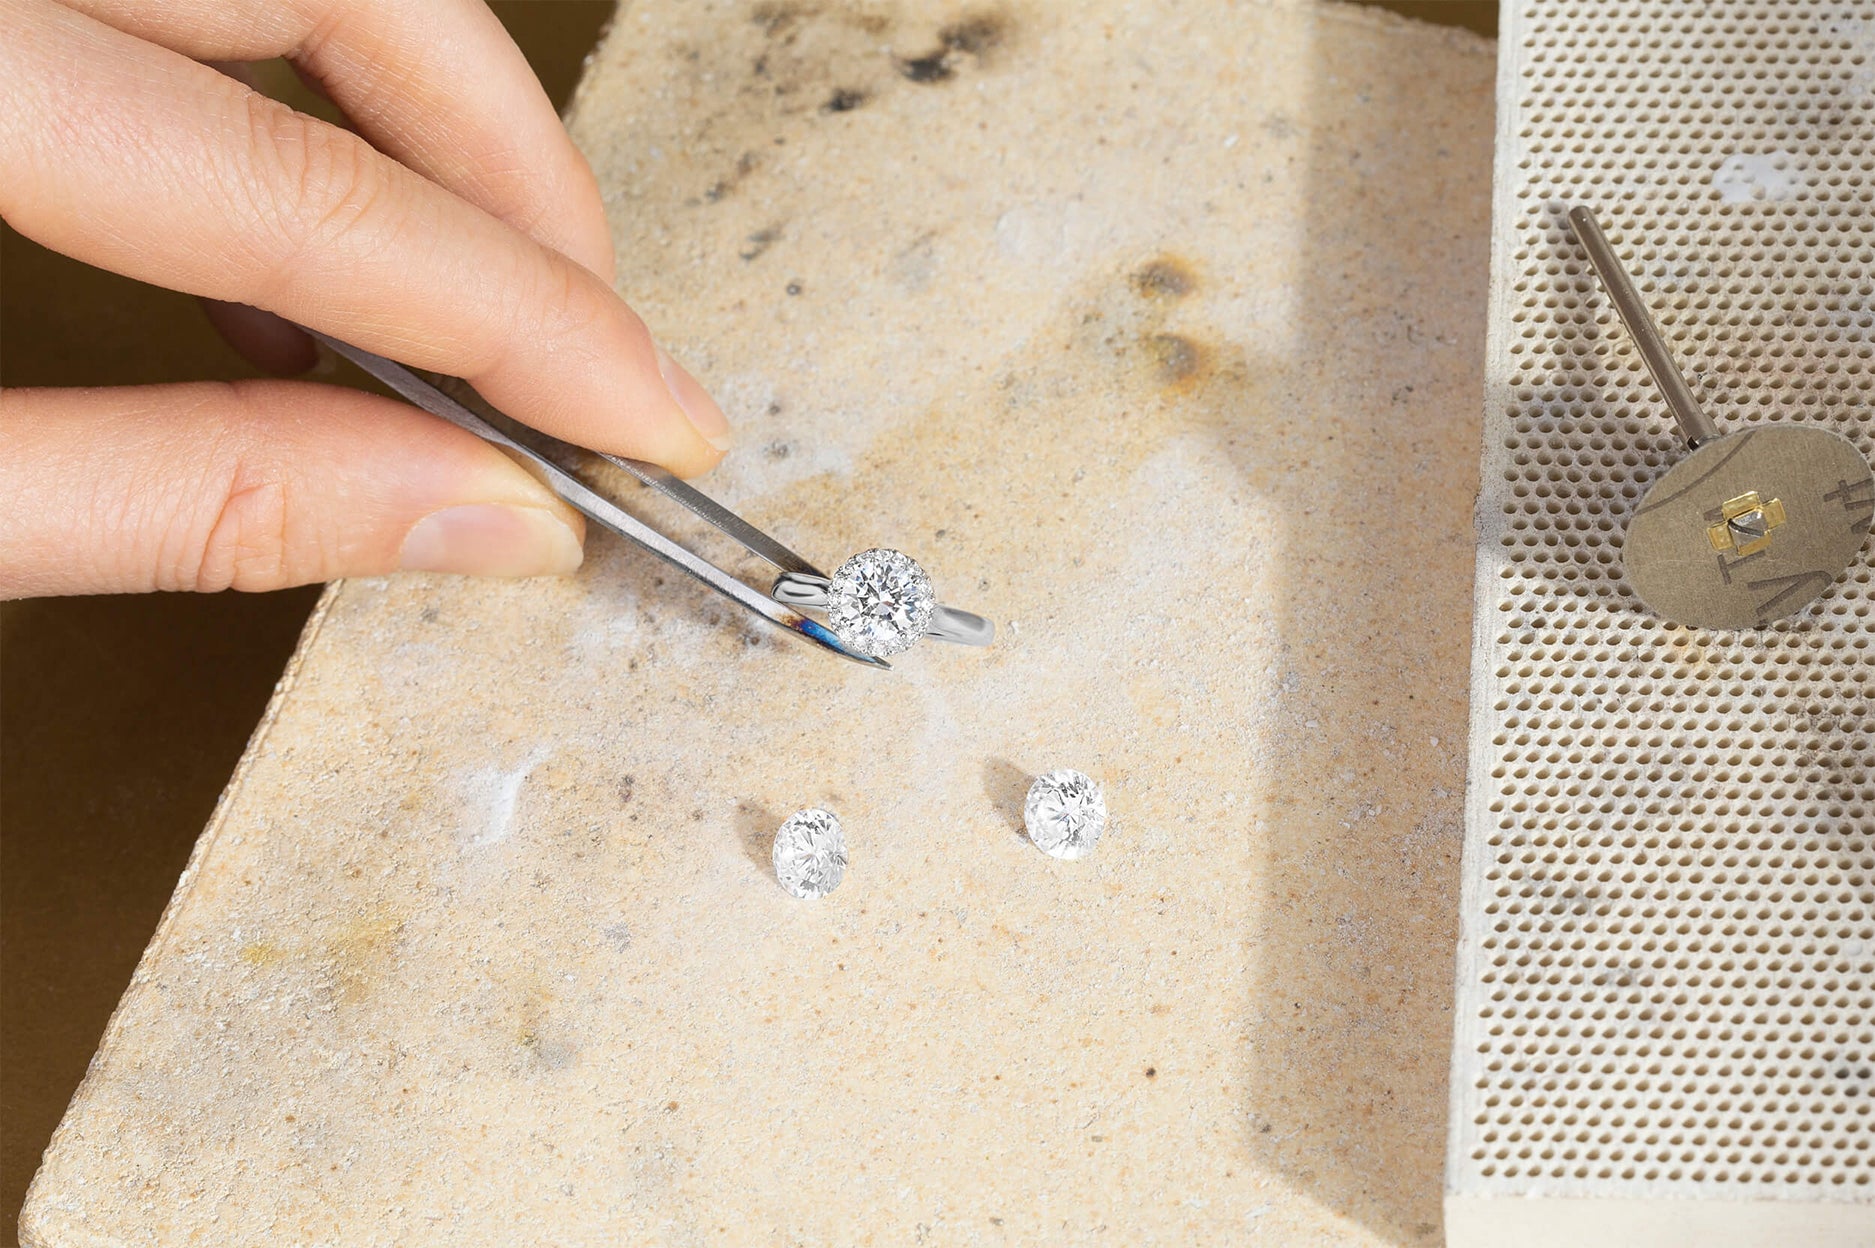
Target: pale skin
column 458, row 230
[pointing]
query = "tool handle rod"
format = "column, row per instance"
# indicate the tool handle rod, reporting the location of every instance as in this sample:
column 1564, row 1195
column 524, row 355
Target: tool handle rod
column 1697, row 427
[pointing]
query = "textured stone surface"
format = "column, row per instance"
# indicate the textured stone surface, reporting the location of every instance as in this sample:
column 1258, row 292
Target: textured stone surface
column 1153, row 332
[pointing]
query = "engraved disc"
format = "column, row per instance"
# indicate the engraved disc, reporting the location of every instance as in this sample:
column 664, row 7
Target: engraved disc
column 1675, row 553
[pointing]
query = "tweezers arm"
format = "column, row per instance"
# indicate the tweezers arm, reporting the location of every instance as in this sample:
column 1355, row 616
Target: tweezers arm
column 681, row 493
column 602, row 510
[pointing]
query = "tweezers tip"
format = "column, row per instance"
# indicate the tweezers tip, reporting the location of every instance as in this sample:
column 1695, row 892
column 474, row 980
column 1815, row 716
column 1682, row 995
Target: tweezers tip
column 824, row 637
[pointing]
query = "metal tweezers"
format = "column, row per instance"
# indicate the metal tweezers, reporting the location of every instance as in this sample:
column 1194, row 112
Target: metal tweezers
column 799, row 582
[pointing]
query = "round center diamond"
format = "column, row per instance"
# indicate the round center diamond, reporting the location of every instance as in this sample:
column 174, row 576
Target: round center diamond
column 879, row 602
column 810, row 853
column 1065, row 814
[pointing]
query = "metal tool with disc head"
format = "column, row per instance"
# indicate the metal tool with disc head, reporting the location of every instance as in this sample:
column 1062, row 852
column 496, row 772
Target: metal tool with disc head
column 1752, row 526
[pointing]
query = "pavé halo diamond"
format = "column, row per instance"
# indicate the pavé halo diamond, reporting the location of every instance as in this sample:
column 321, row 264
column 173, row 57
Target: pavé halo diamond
column 879, row 602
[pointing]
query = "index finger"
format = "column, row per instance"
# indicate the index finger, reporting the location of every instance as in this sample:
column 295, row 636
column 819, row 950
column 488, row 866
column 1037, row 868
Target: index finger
column 140, row 160
column 436, row 84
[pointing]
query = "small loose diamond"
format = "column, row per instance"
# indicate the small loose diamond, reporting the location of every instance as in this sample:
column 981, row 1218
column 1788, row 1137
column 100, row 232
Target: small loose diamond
column 1065, row 814
column 1745, row 524
column 880, row 602
column 810, row 853
column 1749, row 527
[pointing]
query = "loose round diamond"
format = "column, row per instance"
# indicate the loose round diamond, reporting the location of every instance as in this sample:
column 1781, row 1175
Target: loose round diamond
column 1065, row 814
column 879, row 602
column 810, row 853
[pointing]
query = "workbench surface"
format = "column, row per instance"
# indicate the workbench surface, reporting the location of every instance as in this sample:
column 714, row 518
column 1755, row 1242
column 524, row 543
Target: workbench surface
column 1154, row 332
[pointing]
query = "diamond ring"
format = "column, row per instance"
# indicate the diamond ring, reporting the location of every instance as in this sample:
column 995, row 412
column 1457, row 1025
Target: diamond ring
column 880, row 602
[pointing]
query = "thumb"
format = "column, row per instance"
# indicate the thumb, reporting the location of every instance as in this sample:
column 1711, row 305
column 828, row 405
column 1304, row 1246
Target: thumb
column 256, row 485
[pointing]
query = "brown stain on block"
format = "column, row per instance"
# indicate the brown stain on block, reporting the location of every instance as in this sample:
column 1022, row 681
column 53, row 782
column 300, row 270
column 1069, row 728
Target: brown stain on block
column 776, row 19
column 726, row 185
column 791, row 67
column 1167, row 373
column 1177, row 360
column 1179, row 364
column 978, row 33
column 548, row 1053
column 1164, row 276
column 975, row 36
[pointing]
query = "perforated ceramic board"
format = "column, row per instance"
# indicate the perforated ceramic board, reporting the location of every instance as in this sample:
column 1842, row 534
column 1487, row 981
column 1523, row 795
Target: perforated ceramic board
column 1666, row 1001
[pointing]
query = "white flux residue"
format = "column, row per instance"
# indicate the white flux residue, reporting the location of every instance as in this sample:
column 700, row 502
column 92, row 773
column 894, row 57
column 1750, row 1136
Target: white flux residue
column 490, row 795
column 1742, row 178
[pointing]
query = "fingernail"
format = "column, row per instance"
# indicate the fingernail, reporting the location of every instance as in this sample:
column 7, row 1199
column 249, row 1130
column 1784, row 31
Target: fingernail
column 488, row 539
column 705, row 417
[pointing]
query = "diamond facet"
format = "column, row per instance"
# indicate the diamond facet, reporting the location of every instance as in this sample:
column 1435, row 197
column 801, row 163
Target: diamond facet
column 1065, row 814
column 810, row 853
column 879, row 602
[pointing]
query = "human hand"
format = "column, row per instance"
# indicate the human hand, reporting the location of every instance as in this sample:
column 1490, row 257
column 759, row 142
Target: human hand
column 459, row 231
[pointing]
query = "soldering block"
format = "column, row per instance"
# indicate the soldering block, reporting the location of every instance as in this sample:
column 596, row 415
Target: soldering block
column 1154, row 332
column 1666, row 986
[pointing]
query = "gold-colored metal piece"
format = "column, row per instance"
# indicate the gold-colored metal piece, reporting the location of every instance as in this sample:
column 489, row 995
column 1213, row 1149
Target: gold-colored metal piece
column 1820, row 482
column 1745, row 524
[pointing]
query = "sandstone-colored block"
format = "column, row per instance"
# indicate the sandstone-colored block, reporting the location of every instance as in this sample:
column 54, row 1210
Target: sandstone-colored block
column 1154, row 331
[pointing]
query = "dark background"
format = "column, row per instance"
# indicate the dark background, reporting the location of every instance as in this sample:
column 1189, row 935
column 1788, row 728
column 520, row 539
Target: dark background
column 122, row 718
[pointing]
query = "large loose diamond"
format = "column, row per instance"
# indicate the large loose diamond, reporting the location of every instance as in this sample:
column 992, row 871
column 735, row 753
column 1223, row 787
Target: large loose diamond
column 810, row 853
column 1065, row 814
column 879, row 602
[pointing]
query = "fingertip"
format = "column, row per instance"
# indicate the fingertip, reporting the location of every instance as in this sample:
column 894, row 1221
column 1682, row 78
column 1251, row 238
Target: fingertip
column 689, row 466
column 699, row 409
column 491, row 516
column 491, row 539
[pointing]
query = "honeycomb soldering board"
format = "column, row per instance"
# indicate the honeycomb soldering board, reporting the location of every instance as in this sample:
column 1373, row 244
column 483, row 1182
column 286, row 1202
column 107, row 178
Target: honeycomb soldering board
column 1666, row 985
